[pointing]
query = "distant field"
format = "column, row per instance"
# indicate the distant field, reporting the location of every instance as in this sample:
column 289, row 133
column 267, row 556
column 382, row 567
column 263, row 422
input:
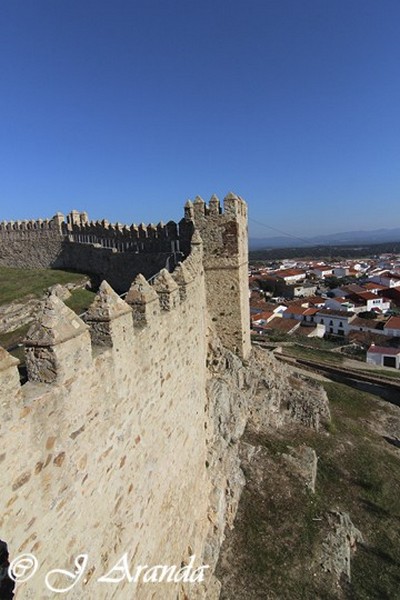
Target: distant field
column 327, row 252
column 16, row 284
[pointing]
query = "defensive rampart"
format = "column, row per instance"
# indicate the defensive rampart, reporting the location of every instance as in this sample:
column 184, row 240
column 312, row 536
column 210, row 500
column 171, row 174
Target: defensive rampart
column 114, row 252
column 111, row 447
column 104, row 447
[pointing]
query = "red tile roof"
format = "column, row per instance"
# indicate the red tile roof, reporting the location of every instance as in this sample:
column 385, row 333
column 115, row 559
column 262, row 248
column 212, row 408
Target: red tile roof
column 289, row 273
column 384, row 350
column 369, row 323
column 315, row 300
column 374, row 286
column 262, row 315
column 335, row 313
column 298, row 310
column 284, row 325
column 272, row 307
column 302, row 330
column 352, row 287
column 367, row 295
column 393, row 323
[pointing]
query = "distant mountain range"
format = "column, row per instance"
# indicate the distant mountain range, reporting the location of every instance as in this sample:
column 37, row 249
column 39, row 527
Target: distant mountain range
column 376, row 236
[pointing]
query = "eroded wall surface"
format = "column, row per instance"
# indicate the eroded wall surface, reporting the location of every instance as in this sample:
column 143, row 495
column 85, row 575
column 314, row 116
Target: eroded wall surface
column 112, row 458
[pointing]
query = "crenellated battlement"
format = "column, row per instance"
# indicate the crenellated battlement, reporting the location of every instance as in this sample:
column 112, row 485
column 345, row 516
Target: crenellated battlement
column 126, row 238
column 109, row 428
column 116, row 441
column 60, row 346
column 118, row 253
column 22, row 230
column 233, row 207
column 24, row 225
column 77, row 228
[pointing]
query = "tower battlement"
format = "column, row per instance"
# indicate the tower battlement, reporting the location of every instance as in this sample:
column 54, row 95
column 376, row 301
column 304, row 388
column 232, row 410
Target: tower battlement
column 225, row 238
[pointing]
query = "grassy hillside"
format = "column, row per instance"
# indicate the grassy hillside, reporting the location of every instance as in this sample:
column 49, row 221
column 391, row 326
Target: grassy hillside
column 270, row 554
column 16, row 284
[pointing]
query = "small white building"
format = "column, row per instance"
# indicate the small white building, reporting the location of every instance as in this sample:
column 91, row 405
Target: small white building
column 372, row 301
column 383, row 357
column 322, row 272
column 341, row 271
column 339, row 303
column 336, row 321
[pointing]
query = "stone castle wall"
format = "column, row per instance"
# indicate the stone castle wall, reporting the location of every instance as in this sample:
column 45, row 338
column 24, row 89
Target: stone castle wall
column 123, row 441
column 30, row 244
column 118, row 253
column 104, row 447
column 114, row 252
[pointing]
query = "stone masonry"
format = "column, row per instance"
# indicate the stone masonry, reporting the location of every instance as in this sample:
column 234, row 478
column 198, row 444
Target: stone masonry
column 106, row 449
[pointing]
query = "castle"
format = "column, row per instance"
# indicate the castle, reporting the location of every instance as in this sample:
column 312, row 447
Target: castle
column 117, row 253
column 124, row 439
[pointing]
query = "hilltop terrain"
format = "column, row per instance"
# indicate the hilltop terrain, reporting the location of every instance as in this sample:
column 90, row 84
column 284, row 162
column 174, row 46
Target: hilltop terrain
column 288, row 542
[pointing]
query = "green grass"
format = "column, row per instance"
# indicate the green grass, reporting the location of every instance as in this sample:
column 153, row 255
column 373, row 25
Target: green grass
column 319, row 355
column 13, row 337
column 16, row 284
column 358, row 472
column 389, row 372
column 350, row 402
column 316, row 343
column 272, row 336
column 80, row 300
column 319, row 343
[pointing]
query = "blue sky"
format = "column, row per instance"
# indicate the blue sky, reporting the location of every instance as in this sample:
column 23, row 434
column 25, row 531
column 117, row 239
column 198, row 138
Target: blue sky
column 128, row 108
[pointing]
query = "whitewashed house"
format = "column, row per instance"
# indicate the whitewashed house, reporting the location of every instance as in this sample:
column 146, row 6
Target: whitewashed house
column 322, row 272
column 383, row 357
column 336, row 321
column 371, row 301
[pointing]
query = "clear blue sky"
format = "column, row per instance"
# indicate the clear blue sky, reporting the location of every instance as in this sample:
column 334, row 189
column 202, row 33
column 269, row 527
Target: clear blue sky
column 127, row 108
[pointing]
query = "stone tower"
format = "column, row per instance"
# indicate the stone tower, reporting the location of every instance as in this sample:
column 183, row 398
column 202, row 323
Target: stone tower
column 225, row 247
